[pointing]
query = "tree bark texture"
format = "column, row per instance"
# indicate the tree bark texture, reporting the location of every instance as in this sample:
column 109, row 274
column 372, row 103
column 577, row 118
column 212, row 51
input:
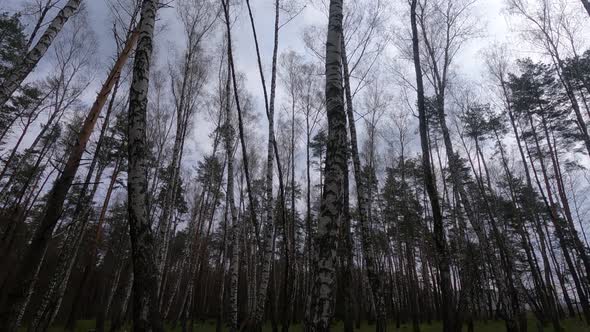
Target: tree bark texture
column 332, row 202
column 145, row 285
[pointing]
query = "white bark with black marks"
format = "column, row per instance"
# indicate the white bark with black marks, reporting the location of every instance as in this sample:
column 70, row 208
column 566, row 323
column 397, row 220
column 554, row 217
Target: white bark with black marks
column 20, row 72
column 145, row 309
column 332, row 203
column 269, row 226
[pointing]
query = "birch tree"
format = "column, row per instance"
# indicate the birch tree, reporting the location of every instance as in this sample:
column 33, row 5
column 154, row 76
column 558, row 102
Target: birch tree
column 34, row 257
column 22, row 70
column 187, row 85
column 332, row 204
column 146, row 316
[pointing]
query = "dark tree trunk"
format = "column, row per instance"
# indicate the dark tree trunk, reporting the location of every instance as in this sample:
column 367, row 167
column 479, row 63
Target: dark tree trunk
column 448, row 312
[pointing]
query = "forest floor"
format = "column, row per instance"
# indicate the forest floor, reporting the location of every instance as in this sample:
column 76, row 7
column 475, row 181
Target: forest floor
column 570, row 325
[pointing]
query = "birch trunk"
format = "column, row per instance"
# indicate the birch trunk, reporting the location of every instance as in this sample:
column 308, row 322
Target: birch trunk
column 242, row 140
column 34, row 255
column 269, row 235
column 186, row 262
column 363, row 204
column 235, row 236
column 229, row 131
column 30, row 119
column 163, row 232
column 269, row 226
column 91, row 264
column 146, row 316
column 20, row 72
column 72, row 245
column 332, row 203
column 184, row 110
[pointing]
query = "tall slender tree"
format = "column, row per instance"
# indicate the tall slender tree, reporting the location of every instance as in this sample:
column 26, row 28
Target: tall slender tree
column 146, row 316
column 332, row 203
column 448, row 313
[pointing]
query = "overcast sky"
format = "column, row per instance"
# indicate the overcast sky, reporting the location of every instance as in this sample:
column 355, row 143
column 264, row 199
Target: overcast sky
column 493, row 20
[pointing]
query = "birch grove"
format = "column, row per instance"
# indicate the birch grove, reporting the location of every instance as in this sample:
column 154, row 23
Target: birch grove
column 201, row 165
